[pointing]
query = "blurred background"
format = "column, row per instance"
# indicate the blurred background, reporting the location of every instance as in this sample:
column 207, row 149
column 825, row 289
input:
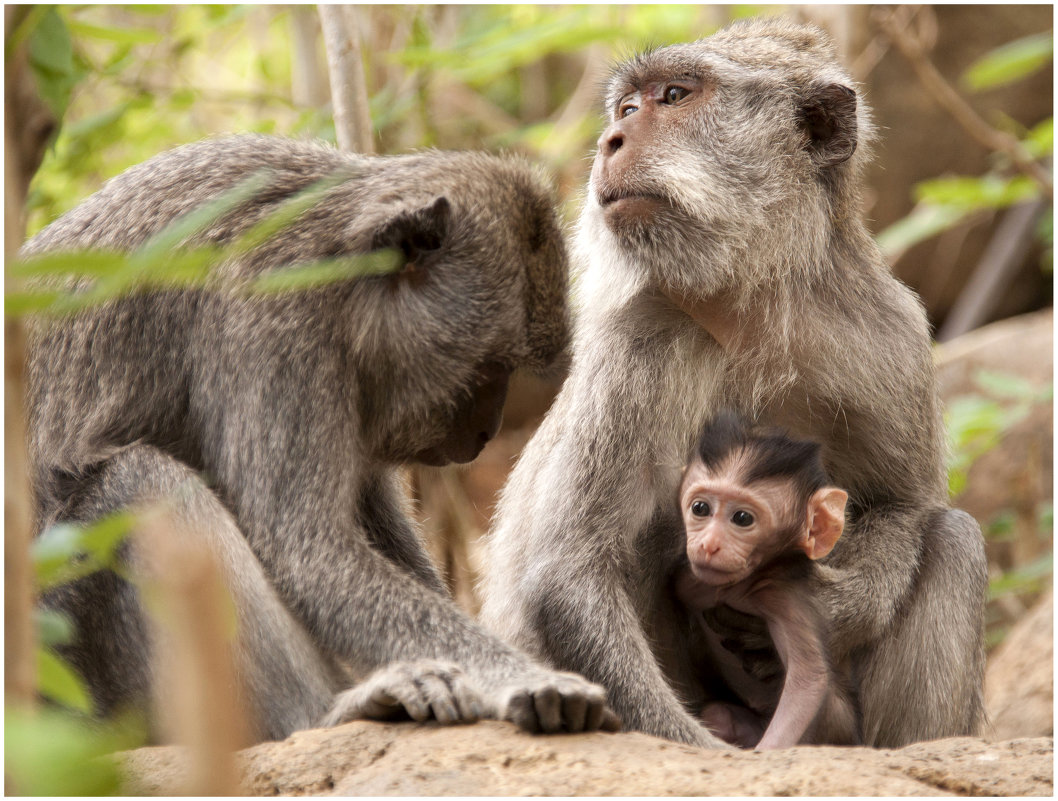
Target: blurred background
column 959, row 194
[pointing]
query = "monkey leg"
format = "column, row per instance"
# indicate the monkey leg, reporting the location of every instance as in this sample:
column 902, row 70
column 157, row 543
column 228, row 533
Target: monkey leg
column 923, row 679
column 288, row 683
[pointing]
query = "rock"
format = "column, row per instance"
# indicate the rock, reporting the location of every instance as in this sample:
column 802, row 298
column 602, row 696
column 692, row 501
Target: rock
column 489, row 758
column 1009, row 488
column 1018, row 474
column 1019, row 682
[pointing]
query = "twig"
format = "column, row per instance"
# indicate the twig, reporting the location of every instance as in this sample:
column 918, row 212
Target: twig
column 308, row 84
column 352, row 117
column 950, row 100
column 579, row 103
column 198, row 696
column 1002, row 258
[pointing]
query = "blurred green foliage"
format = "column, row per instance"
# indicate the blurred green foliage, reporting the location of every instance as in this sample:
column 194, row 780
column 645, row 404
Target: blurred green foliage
column 49, row 752
column 58, row 750
column 1009, row 63
column 150, row 77
column 976, row 423
column 944, row 202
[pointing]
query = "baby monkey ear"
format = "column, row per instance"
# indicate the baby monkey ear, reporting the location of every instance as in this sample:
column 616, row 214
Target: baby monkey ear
column 826, row 521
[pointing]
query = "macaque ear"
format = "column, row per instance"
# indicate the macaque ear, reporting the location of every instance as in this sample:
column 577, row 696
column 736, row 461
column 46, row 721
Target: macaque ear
column 415, row 230
column 826, row 521
column 828, row 118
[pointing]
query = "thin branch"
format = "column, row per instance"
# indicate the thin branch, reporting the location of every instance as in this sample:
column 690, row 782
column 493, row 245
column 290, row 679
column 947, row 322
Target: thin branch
column 308, row 83
column 199, row 700
column 998, row 266
column 352, row 116
column 579, row 103
column 952, row 102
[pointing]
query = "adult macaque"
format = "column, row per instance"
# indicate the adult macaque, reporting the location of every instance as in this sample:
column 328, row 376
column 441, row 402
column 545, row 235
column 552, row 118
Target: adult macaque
column 272, row 426
column 724, row 264
column 758, row 511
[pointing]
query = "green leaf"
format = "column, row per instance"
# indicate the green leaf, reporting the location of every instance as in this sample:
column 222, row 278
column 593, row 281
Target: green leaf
column 310, row 276
column 75, row 264
column 1045, row 519
column 203, row 216
column 1010, row 62
column 98, row 122
column 51, row 60
column 57, row 681
column 119, row 35
column 67, row 552
column 1040, row 140
column 50, row 46
column 53, row 627
column 971, row 193
column 287, row 212
column 1001, row 527
column 1008, row 385
column 1025, row 579
column 50, row 752
column 923, row 222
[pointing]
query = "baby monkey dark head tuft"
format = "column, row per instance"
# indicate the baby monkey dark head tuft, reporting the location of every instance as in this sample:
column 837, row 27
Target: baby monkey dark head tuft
column 750, row 495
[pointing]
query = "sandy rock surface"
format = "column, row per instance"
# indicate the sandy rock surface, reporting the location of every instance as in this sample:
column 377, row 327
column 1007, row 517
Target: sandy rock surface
column 490, row 758
column 1019, row 682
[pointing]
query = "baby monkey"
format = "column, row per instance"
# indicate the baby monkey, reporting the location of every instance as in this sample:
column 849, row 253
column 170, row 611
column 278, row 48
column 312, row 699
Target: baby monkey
column 758, row 511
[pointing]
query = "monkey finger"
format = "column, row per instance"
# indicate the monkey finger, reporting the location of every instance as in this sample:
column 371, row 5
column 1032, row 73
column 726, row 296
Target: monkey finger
column 468, row 701
column 400, row 692
column 519, row 710
column 548, row 705
column 437, row 694
column 611, row 721
column 575, row 712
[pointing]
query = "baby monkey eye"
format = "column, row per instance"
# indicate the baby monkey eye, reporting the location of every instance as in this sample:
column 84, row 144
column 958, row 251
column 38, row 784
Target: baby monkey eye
column 700, row 509
column 675, row 94
column 742, row 519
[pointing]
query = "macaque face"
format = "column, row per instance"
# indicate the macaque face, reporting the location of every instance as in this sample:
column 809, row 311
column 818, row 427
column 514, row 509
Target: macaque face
column 733, row 526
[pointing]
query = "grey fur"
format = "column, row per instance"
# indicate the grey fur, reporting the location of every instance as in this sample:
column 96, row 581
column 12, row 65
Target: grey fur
column 758, row 235
column 273, row 426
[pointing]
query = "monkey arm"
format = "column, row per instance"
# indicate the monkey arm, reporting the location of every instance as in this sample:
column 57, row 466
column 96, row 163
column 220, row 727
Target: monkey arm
column 567, row 580
column 795, row 630
column 361, row 594
column 863, row 587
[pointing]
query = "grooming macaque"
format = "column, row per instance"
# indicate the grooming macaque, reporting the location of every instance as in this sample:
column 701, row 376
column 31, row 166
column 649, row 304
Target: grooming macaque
column 758, row 511
column 272, row 426
column 724, row 265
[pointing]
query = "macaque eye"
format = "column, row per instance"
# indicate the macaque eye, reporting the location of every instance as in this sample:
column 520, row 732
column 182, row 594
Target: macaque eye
column 742, row 519
column 674, row 94
column 626, row 109
column 700, row 509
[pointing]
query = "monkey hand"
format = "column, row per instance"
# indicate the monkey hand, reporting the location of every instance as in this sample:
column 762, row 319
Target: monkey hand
column 421, row 690
column 550, row 702
column 746, row 636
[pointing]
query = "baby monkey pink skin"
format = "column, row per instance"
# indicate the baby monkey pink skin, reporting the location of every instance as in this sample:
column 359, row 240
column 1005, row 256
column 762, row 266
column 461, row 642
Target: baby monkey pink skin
column 747, row 539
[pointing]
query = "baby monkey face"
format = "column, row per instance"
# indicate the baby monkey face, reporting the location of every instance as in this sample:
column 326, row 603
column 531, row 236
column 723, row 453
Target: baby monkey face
column 733, row 526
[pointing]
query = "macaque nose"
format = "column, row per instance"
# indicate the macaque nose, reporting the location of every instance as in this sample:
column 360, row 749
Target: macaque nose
column 707, row 548
column 611, row 141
